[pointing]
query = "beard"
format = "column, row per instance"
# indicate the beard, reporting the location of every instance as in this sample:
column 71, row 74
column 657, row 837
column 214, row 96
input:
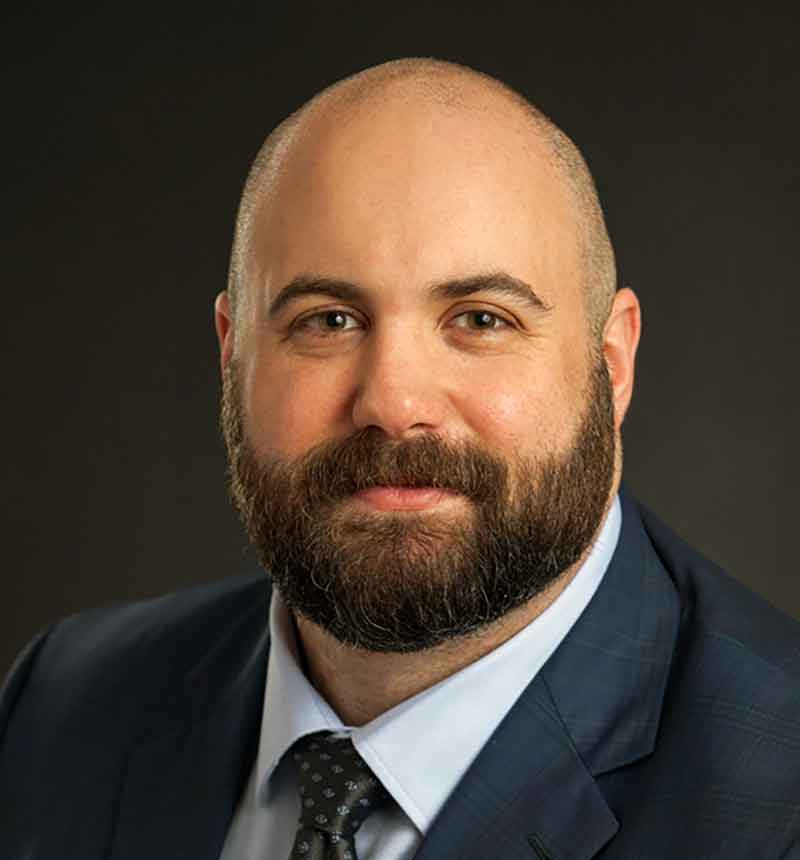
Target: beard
column 406, row 581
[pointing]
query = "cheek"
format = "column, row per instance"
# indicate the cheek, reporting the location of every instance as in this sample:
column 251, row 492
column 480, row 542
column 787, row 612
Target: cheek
column 515, row 418
column 288, row 411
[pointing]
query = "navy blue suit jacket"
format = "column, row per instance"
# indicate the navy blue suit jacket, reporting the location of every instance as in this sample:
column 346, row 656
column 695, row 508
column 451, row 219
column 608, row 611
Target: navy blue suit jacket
column 666, row 725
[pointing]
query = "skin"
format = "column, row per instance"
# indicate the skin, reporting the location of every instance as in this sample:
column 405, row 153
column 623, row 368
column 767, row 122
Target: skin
column 395, row 194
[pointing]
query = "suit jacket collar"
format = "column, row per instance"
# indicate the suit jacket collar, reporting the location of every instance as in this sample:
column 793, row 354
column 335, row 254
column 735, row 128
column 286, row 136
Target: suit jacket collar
column 531, row 792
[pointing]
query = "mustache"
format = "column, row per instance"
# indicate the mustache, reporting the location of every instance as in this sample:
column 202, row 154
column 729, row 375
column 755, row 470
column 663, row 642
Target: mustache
column 337, row 469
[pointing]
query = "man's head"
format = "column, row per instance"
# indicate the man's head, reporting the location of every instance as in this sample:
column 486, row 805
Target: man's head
column 421, row 295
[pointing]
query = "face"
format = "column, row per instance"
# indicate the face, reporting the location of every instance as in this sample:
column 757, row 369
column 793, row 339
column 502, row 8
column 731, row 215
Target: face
column 396, row 362
column 390, row 580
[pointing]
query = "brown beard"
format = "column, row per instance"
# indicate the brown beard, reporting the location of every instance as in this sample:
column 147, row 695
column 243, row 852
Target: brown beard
column 407, row 581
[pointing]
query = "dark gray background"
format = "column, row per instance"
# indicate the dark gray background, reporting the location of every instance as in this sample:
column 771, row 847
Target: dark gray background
column 127, row 134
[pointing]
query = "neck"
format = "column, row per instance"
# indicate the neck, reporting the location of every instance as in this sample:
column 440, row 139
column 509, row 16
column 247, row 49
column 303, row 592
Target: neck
column 361, row 685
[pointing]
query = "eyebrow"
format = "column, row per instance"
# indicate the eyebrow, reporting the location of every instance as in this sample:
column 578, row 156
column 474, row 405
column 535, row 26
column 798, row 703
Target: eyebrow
column 498, row 283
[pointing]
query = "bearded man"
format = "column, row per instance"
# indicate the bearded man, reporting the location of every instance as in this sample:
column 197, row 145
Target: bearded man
column 471, row 639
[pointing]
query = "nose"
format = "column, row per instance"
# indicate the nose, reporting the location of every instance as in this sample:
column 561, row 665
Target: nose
column 400, row 388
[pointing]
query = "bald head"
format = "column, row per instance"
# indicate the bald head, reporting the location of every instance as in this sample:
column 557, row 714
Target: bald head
column 422, row 83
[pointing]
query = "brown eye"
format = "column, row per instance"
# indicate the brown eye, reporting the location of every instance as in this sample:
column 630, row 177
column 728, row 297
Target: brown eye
column 326, row 323
column 483, row 320
column 335, row 319
column 480, row 320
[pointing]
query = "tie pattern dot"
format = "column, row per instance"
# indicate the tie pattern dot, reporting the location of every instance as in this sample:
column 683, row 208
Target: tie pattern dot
column 337, row 792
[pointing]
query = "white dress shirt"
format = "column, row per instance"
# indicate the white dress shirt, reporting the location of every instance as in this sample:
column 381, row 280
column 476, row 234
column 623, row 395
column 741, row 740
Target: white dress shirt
column 419, row 749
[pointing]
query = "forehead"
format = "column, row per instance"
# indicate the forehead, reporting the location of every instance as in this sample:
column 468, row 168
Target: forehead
column 399, row 192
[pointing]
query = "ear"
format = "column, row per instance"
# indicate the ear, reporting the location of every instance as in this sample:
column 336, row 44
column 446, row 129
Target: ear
column 223, row 322
column 620, row 340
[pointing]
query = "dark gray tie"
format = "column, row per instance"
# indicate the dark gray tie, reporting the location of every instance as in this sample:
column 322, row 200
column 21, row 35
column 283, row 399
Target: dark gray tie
column 337, row 792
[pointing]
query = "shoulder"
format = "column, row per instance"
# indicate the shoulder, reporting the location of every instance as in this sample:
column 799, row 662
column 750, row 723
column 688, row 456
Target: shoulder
column 184, row 622
column 105, row 659
column 719, row 609
column 727, row 737
column 90, row 690
column 733, row 696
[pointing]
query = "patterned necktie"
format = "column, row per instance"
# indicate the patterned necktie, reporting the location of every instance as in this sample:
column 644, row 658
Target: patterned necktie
column 337, row 792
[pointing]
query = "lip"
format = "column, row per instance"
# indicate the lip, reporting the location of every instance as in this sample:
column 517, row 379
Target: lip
column 404, row 498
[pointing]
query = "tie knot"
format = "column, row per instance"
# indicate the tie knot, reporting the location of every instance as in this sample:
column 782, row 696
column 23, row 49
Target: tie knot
column 337, row 788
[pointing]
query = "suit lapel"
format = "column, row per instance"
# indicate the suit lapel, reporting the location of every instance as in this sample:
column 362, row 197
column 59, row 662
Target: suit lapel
column 609, row 676
column 594, row 707
column 527, row 794
column 183, row 782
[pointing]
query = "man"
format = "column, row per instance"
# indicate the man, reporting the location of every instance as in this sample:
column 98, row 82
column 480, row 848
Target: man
column 476, row 643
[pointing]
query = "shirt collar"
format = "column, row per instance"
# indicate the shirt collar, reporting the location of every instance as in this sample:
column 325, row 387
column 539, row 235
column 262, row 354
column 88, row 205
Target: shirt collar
column 448, row 723
column 292, row 706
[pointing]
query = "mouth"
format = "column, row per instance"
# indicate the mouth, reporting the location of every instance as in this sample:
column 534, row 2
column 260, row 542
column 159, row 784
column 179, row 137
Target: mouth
column 404, row 498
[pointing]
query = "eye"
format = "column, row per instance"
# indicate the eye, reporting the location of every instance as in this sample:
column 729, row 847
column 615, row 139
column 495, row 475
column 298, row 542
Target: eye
column 326, row 323
column 482, row 321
